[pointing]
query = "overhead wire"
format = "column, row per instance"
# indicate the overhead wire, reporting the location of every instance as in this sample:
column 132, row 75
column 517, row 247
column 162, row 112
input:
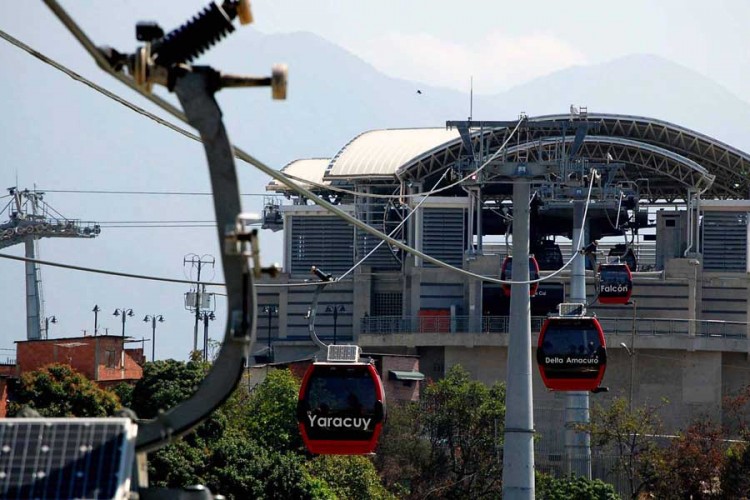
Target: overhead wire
column 135, row 275
column 257, row 163
column 395, row 230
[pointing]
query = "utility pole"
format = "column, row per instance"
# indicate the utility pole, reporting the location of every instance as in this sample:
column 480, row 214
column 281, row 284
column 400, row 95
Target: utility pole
column 198, row 301
column 206, row 316
column 96, row 310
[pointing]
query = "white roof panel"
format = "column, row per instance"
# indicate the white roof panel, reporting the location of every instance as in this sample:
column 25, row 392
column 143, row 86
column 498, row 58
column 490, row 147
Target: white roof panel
column 382, row 152
column 311, row 170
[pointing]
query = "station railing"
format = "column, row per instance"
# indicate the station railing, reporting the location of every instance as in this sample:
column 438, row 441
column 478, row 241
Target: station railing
column 385, row 325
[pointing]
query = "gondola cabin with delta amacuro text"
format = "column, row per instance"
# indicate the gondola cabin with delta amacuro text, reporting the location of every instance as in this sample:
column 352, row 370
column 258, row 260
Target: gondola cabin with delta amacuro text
column 506, row 274
column 615, row 283
column 571, row 353
column 341, row 406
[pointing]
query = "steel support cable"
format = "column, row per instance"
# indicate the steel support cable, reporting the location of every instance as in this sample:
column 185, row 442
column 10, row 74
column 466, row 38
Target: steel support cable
column 285, row 179
column 240, row 154
column 395, row 230
column 139, row 276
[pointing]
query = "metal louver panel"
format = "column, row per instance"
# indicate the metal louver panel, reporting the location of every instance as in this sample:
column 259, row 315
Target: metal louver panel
column 443, row 235
column 376, row 214
column 725, row 241
column 326, row 242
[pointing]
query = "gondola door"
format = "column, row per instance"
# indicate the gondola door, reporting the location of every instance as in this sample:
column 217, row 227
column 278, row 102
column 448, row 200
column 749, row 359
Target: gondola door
column 615, row 284
column 571, row 353
column 341, row 408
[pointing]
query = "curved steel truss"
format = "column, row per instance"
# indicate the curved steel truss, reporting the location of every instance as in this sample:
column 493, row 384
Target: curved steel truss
column 656, row 171
column 673, row 158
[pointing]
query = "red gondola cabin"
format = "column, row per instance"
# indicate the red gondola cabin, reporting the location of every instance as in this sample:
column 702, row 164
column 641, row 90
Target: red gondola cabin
column 615, row 283
column 506, row 274
column 571, row 353
column 341, row 408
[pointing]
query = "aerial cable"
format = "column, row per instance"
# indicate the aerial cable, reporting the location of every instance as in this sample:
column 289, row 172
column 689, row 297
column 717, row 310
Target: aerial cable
column 139, row 276
column 395, row 230
column 242, row 155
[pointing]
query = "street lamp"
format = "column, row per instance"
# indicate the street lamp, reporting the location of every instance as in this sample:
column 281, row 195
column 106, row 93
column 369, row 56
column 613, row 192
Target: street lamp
column 96, row 310
column 153, row 318
column 335, row 309
column 47, row 321
column 206, row 316
column 125, row 313
column 270, row 311
column 631, row 351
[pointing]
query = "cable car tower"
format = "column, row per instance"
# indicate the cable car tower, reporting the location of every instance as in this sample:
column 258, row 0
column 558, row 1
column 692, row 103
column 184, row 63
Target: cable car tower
column 30, row 218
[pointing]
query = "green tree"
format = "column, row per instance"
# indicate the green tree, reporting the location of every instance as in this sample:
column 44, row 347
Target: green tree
column 349, row 477
column 124, row 393
column 269, row 412
column 578, row 488
column 690, row 467
column 248, row 448
column 449, row 445
column 627, row 433
column 164, row 384
column 735, row 478
column 57, row 390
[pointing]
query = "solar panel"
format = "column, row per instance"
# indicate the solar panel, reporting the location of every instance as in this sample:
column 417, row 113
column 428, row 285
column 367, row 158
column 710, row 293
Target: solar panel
column 50, row 458
column 343, row 353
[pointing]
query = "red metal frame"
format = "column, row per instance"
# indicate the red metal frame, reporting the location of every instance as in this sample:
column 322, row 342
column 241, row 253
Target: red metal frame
column 572, row 384
column 533, row 274
column 336, row 446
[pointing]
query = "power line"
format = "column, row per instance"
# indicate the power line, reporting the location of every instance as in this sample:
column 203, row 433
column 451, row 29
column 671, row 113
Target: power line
column 142, row 276
column 286, row 180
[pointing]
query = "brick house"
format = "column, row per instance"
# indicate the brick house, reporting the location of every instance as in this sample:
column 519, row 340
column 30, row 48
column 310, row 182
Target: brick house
column 104, row 359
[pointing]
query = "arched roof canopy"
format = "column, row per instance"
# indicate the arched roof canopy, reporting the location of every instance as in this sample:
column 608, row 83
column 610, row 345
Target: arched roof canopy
column 648, row 138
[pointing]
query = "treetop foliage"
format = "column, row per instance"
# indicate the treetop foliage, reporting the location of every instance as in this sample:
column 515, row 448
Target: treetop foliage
column 57, row 390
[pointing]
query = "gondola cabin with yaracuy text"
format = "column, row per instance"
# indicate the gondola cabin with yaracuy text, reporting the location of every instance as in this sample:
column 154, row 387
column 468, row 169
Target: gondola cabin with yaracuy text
column 571, row 353
column 341, row 407
column 506, row 274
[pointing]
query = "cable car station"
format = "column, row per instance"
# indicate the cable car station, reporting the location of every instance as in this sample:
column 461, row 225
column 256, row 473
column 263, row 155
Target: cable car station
column 664, row 236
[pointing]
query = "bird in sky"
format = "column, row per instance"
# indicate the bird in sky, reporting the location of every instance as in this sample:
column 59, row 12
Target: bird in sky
column 419, row 91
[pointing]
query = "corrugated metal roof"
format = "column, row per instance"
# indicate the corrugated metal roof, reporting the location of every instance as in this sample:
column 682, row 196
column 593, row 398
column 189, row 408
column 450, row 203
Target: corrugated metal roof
column 311, row 169
column 379, row 153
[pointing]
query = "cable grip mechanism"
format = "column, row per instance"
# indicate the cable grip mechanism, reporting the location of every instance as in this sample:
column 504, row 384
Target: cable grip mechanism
column 162, row 54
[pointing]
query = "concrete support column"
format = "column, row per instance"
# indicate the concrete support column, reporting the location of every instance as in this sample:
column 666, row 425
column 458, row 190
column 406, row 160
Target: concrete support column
column 33, row 300
column 577, row 444
column 518, row 453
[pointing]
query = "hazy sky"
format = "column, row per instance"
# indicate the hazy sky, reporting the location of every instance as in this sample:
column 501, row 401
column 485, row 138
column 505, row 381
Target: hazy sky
column 58, row 134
